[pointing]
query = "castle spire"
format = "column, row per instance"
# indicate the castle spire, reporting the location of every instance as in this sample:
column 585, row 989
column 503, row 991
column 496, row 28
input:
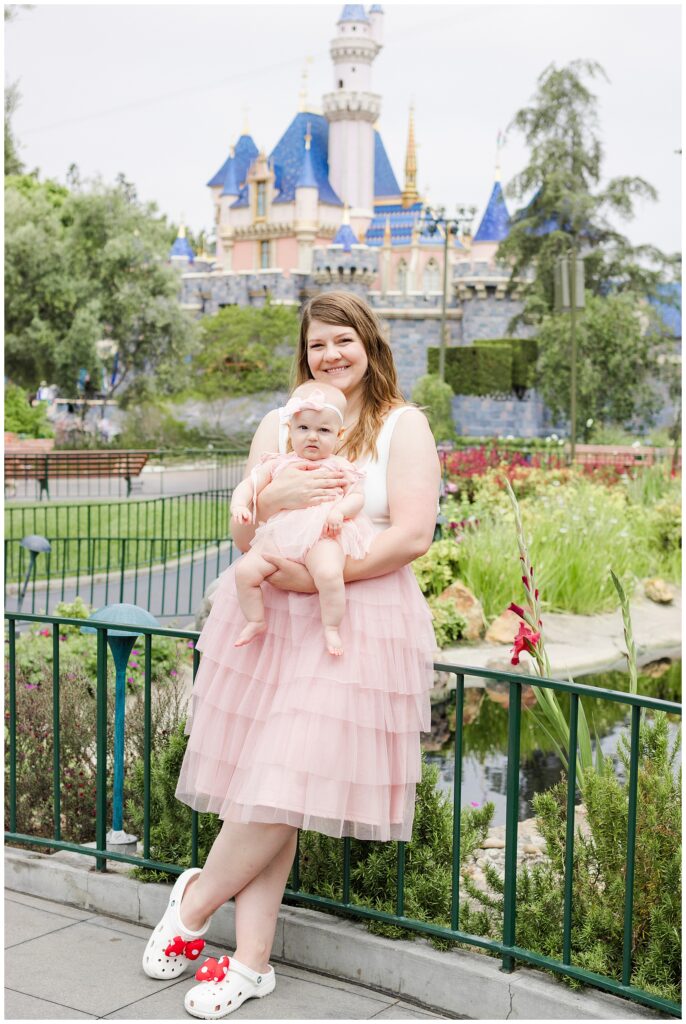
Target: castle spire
column 410, row 194
column 498, row 147
column 304, row 101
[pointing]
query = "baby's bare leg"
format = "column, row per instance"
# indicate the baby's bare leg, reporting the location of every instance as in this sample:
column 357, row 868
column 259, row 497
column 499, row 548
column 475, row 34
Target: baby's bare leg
column 251, row 570
column 325, row 562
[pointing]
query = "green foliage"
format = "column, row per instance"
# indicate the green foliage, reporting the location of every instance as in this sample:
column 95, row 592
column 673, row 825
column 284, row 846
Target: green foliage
column 78, row 654
column 85, row 264
column 486, row 370
column 449, row 624
column 438, row 568
column 244, row 350
column 435, row 396
column 599, row 872
column 13, row 163
column 77, row 715
column 564, row 174
column 524, row 356
column 615, row 363
column 22, row 418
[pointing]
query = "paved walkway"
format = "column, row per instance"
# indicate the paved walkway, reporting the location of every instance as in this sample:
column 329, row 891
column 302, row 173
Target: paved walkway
column 67, row 964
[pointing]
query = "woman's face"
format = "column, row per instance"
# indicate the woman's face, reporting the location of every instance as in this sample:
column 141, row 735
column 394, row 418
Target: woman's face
column 337, row 355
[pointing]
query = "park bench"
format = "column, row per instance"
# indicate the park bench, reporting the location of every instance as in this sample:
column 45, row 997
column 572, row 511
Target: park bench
column 619, row 456
column 23, row 464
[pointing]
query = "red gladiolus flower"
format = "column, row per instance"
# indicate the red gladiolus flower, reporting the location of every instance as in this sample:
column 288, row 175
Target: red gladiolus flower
column 517, row 609
column 526, row 582
column 525, row 640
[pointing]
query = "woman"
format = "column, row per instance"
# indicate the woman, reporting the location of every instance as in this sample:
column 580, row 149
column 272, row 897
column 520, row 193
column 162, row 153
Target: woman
column 283, row 736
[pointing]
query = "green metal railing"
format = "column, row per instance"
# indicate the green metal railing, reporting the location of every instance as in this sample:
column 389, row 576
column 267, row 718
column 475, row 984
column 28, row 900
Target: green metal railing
column 506, row 948
column 161, row 552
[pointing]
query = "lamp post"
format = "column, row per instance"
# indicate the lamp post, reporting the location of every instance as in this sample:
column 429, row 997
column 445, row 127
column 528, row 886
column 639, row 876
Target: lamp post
column 121, row 642
column 35, row 545
column 569, row 298
column 433, row 220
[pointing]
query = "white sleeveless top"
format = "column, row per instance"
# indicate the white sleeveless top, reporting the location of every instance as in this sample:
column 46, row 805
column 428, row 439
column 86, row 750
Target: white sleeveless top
column 375, row 486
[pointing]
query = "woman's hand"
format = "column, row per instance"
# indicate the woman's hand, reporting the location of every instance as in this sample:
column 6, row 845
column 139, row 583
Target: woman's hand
column 300, row 487
column 289, row 575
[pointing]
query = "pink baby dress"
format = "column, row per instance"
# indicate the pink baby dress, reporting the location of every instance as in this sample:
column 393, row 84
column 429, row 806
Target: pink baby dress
column 279, row 731
column 293, row 532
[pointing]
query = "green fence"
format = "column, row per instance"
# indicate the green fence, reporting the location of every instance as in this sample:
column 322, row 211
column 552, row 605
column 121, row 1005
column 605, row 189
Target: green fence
column 506, row 949
column 162, row 552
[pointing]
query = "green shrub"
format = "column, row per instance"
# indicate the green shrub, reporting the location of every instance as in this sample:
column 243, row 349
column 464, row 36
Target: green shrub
column 476, row 371
column 22, row 418
column 435, row 397
column 599, row 873
column 438, row 568
column 449, row 625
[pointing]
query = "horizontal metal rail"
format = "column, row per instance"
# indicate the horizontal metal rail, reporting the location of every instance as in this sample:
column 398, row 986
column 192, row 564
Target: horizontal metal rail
column 507, row 949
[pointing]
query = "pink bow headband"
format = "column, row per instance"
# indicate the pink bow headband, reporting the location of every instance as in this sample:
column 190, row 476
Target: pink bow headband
column 316, row 401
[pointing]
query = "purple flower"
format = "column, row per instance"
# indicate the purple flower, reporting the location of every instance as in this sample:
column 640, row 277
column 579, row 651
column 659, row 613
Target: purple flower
column 173, row 672
column 134, row 664
column 129, row 679
column 135, row 652
column 190, row 644
column 473, row 803
column 31, row 686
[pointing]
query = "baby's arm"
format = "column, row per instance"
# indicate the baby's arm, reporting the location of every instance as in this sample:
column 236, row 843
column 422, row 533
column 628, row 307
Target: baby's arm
column 242, row 497
column 348, row 506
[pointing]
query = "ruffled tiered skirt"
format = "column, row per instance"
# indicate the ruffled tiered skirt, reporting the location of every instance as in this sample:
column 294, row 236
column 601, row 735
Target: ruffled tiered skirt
column 293, row 532
column 282, row 731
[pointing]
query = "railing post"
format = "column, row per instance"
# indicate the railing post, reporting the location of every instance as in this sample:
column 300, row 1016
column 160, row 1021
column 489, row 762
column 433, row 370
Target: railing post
column 569, row 839
column 101, row 750
column 457, row 800
column 13, row 722
column 511, row 823
column 631, row 845
column 56, row 795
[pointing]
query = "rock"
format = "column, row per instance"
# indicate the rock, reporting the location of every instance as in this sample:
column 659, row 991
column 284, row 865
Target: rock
column 656, row 669
column 659, row 591
column 473, row 699
column 503, row 629
column 493, row 844
column 532, row 848
column 469, row 607
column 206, row 604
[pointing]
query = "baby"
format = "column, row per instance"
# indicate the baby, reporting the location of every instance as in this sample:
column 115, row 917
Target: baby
column 319, row 536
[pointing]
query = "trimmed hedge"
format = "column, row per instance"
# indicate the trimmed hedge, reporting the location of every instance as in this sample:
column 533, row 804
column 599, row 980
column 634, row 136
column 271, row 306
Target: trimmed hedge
column 490, row 366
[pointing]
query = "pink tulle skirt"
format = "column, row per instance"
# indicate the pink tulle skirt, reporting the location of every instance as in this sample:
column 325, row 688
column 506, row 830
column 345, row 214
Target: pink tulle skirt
column 282, row 731
column 293, row 532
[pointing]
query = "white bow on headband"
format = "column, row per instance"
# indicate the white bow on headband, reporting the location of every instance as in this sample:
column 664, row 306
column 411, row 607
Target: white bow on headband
column 316, row 401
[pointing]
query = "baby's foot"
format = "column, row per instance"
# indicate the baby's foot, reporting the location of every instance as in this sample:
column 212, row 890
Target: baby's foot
column 252, row 630
column 334, row 644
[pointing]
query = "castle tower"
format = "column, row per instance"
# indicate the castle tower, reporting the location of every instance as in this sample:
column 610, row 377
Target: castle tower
column 181, row 254
column 306, row 201
column 352, row 109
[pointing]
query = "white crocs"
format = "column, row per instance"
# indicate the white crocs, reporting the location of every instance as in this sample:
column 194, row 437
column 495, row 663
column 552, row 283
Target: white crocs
column 211, row 1000
column 171, row 947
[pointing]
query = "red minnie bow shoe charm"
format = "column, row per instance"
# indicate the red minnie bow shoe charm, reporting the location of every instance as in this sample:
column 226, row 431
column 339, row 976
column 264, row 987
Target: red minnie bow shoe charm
column 213, row 970
column 191, row 950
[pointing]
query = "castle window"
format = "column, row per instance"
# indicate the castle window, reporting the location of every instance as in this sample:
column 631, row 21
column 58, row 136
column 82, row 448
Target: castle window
column 340, row 83
column 402, row 277
column 264, row 255
column 432, row 276
column 261, row 198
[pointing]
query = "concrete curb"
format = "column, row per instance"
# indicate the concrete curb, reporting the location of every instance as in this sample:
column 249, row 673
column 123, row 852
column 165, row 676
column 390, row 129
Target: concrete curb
column 456, row 983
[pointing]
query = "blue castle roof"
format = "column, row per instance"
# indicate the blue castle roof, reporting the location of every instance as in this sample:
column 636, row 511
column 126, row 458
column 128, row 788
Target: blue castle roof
column 353, row 12
column 385, row 182
column 306, row 177
column 495, row 223
column 376, row 9
column 231, row 186
column 182, row 247
column 346, row 237
column 287, row 160
column 244, row 154
column 402, row 220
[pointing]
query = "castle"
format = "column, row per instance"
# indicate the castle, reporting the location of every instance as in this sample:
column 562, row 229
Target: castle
column 324, row 210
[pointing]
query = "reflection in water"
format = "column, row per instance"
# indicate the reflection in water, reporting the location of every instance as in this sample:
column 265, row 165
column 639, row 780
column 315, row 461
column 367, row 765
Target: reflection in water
column 484, row 769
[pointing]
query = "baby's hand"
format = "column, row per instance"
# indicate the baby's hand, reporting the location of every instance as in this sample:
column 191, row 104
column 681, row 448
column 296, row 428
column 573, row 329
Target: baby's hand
column 241, row 514
column 334, row 521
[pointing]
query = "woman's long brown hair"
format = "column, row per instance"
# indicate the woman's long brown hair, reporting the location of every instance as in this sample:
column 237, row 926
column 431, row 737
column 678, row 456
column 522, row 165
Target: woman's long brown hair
column 381, row 390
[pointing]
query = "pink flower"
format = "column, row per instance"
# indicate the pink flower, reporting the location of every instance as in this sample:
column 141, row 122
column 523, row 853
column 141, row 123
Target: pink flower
column 190, row 644
column 44, row 632
column 173, row 672
column 134, row 664
column 473, row 803
column 525, row 640
column 517, row 609
column 30, row 686
column 129, row 679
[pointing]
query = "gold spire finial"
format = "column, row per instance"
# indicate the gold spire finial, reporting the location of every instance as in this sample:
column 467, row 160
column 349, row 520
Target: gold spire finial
column 346, row 214
column 308, row 135
column 410, row 194
column 182, row 227
column 304, row 102
column 231, row 152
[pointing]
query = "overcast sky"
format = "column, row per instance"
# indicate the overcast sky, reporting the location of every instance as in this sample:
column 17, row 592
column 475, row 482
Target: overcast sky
column 158, row 91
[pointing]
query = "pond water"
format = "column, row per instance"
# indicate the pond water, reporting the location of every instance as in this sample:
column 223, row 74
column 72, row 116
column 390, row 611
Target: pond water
column 484, row 767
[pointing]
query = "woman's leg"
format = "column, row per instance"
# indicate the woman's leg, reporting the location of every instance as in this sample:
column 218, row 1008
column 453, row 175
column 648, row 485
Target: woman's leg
column 325, row 562
column 251, row 571
column 257, row 909
column 239, row 853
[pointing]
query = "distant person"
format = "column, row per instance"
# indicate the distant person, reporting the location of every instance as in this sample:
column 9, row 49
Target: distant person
column 282, row 735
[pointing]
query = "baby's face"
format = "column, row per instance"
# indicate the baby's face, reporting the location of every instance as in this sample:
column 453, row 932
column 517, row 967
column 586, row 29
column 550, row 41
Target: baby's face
column 314, row 435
